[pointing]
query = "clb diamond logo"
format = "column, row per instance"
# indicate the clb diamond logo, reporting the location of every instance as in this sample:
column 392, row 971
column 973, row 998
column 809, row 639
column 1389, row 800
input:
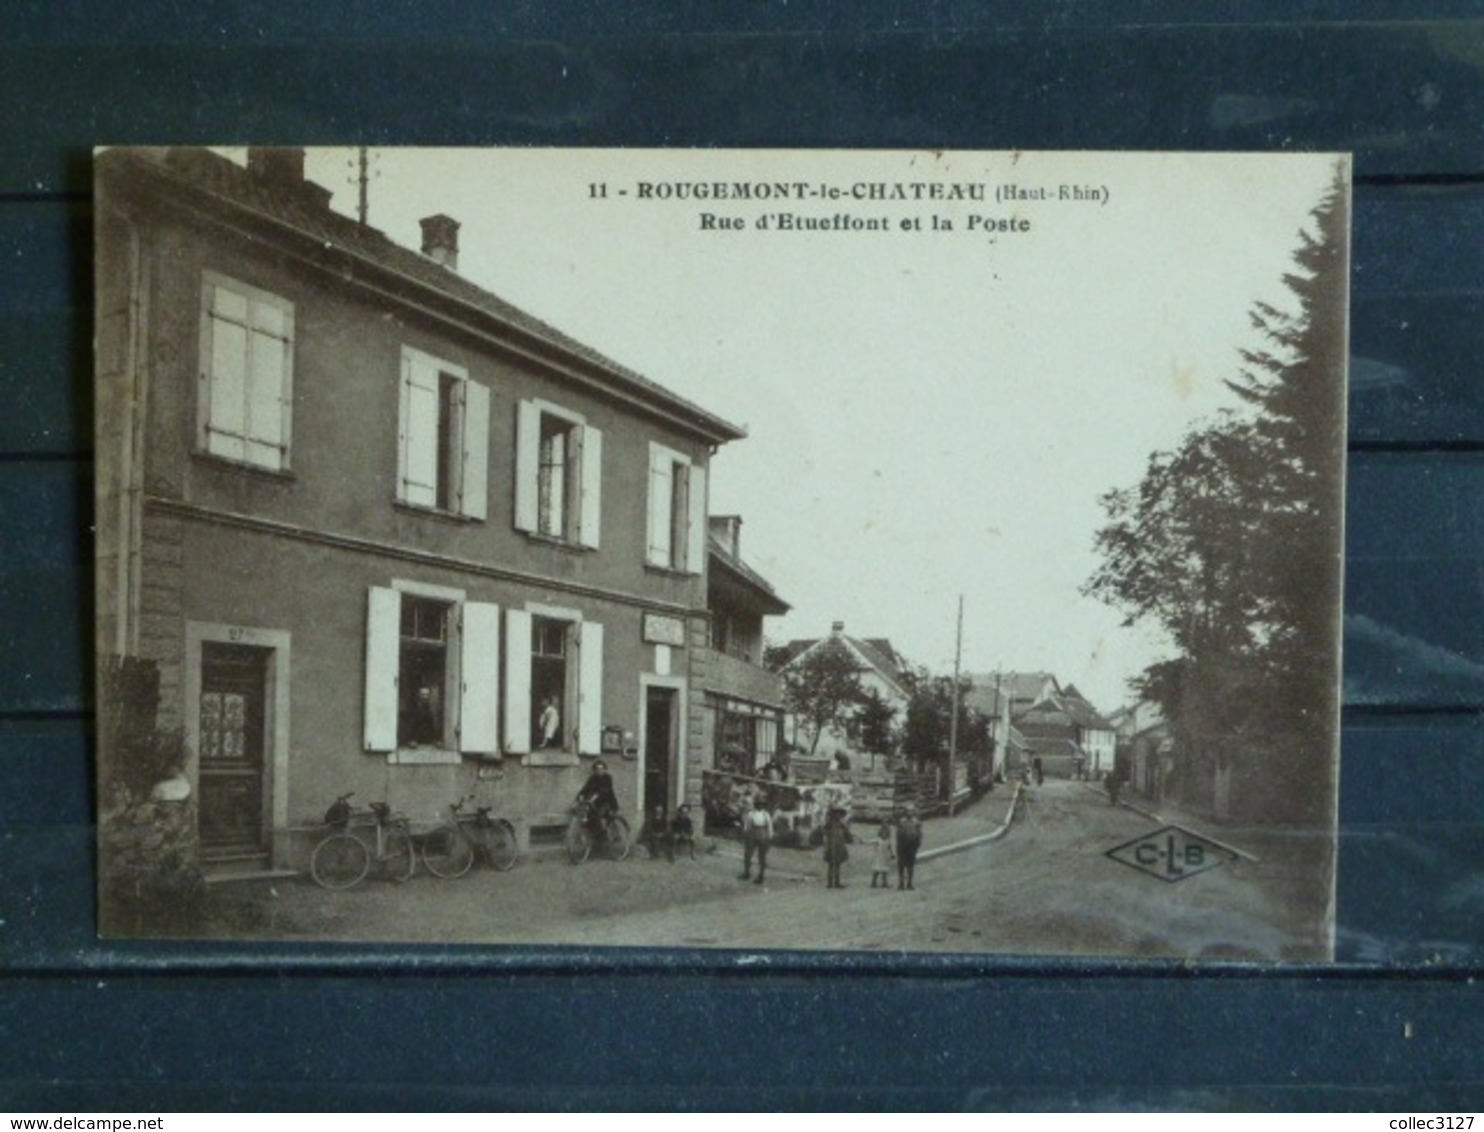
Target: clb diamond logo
column 1172, row 854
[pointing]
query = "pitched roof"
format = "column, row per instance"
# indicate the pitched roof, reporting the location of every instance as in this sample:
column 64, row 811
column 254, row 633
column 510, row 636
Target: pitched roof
column 876, row 653
column 1063, row 711
column 1017, row 686
column 721, row 557
column 1084, row 715
column 1047, row 745
column 302, row 211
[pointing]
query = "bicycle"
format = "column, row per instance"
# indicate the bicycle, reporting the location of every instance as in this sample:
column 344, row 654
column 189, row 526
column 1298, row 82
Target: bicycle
column 450, row 850
column 342, row 859
column 580, row 839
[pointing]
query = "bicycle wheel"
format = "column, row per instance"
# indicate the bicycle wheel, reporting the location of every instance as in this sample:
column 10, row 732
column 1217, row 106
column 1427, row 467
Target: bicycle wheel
column 339, row 861
column 618, row 844
column 500, row 845
column 447, row 852
column 398, row 862
column 579, row 843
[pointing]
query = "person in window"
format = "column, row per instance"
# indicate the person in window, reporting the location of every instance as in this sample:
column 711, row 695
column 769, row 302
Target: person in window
column 597, row 794
column 422, row 726
column 549, row 725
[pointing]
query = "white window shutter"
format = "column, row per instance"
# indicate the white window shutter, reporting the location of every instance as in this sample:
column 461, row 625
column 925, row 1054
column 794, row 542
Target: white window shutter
column 418, row 478
column 527, row 464
column 474, row 474
column 517, row 682
column 590, row 509
column 203, row 365
column 383, row 645
column 658, row 532
column 286, row 422
column 695, row 551
column 479, row 669
column 590, row 690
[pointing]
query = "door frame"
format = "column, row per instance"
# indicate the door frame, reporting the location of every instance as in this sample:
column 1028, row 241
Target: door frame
column 276, row 671
column 676, row 684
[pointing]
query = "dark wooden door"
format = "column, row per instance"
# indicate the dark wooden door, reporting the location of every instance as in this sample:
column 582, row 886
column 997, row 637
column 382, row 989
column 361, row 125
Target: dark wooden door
column 659, row 745
column 232, row 783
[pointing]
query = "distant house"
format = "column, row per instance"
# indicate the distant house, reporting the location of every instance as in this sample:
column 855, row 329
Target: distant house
column 881, row 670
column 743, row 720
column 1146, row 748
column 1029, row 709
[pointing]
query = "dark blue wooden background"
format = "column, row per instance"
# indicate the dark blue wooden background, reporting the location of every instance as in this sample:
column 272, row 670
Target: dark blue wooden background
column 1399, row 1021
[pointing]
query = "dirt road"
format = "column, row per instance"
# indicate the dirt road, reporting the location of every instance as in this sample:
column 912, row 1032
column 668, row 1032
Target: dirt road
column 1045, row 888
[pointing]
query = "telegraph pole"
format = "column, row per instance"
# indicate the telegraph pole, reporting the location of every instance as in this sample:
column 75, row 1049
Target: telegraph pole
column 958, row 648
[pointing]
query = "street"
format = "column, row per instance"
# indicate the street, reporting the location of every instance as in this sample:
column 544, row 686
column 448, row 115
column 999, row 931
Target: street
column 1046, row 887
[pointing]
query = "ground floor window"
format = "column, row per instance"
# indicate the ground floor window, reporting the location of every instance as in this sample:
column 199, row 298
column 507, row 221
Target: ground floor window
column 423, row 671
column 746, row 737
column 549, row 696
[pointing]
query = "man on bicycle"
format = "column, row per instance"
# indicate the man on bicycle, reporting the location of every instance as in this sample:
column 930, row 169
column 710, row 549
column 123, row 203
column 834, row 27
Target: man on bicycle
column 597, row 794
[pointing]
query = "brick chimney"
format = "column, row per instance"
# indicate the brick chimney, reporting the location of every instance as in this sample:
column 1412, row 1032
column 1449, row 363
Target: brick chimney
column 283, row 168
column 282, row 165
column 441, row 240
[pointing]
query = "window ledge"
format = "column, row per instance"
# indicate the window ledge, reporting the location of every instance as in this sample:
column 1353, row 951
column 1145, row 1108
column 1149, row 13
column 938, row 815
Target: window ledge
column 226, row 463
column 550, row 758
column 559, row 543
column 423, row 756
column 669, row 571
column 434, row 513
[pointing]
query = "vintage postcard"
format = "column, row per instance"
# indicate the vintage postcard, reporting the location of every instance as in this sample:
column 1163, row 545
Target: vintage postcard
column 825, row 550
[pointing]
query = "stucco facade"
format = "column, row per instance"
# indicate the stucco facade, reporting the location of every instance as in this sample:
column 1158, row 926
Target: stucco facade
column 454, row 515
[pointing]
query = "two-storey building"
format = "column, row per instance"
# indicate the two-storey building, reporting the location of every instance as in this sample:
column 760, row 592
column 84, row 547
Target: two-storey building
column 744, row 700
column 380, row 530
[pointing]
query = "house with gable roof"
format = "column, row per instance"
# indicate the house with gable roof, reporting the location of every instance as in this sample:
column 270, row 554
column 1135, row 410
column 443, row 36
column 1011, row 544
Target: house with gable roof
column 1071, row 737
column 881, row 669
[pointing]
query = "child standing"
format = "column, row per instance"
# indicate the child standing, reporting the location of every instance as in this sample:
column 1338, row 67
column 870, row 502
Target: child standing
column 883, row 853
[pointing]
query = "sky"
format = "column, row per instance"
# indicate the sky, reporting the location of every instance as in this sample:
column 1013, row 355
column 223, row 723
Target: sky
column 932, row 413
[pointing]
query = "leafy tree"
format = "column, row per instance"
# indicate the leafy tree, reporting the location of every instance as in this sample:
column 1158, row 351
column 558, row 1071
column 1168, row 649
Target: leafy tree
column 776, row 657
column 877, row 721
column 1230, row 544
column 822, row 688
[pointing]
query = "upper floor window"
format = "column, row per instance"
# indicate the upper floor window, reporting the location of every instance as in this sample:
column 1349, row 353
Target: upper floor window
column 676, row 526
column 558, row 474
column 245, row 396
column 443, row 437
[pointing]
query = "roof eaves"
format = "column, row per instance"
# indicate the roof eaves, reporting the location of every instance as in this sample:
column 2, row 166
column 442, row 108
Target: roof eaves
column 613, row 378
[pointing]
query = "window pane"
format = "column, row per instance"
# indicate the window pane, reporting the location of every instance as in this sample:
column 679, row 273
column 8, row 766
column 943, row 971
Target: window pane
column 548, row 683
column 553, row 478
column 422, row 673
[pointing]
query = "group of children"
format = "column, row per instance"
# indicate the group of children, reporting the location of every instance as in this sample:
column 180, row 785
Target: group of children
column 893, row 845
column 663, row 835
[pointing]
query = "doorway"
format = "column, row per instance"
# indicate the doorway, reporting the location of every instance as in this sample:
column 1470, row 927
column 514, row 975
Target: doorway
column 233, row 779
column 660, row 728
